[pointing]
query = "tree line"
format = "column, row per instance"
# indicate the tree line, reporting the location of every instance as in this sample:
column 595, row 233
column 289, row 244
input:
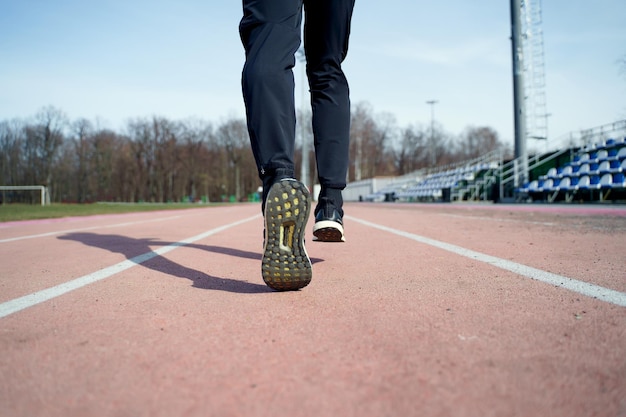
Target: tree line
column 156, row 159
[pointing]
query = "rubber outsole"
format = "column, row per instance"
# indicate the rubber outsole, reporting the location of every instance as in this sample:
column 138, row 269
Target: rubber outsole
column 286, row 265
column 328, row 231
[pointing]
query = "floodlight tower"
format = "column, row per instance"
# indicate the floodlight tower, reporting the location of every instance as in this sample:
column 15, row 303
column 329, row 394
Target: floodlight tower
column 304, row 168
column 534, row 66
column 529, row 102
column 521, row 154
column 433, row 148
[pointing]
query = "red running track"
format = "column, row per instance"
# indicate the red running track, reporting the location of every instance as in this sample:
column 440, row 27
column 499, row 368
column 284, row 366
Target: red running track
column 426, row 310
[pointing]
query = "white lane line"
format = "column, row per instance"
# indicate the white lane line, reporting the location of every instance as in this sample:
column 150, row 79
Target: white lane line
column 581, row 287
column 13, row 239
column 18, row 304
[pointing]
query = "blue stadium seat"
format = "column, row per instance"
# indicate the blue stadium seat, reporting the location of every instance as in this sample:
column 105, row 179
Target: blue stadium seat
column 610, row 182
column 564, row 184
column 594, row 182
column 566, row 172
column 614, row 166
column 583, row 183
column 602, row 155
column 584, row 169
column 606, row 181
column 604, row 167
column 548, row 185
column 533, row 187
column 524, row 188
column 567, row 188
column 552, row 188
column 619, row 181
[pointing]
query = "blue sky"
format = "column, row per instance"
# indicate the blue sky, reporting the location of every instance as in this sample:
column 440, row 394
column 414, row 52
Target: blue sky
column 118, row 59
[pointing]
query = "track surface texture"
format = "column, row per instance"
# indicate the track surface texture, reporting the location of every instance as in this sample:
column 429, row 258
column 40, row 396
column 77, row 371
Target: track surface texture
column 426, row 310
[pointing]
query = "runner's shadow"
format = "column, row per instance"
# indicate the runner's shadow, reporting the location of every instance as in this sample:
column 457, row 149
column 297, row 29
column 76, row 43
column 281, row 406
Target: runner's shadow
column 140, row 251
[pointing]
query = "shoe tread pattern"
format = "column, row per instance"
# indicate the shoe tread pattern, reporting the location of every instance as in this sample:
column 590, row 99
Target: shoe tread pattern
column 329, row 234
column 286, row 265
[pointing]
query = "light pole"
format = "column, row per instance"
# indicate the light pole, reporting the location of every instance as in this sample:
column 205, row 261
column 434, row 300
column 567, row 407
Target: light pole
column 433, row 156
column 519, row 105
column 304, row 168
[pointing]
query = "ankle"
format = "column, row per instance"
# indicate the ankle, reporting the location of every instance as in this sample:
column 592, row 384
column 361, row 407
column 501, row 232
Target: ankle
column 270, row 178
column 330, row 198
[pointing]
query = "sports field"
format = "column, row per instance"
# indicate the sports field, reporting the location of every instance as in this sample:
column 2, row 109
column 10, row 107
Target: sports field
column 426, row 310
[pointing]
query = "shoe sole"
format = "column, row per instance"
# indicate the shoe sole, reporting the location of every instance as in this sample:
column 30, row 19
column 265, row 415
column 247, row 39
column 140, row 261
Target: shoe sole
column 286, row 265
column 328, row 231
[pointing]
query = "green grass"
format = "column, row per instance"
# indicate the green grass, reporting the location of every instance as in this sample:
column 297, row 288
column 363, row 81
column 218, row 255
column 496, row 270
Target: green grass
column 13, row 212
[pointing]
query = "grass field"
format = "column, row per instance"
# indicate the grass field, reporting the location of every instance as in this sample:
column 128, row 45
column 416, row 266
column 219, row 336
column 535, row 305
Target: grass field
column 13, row 212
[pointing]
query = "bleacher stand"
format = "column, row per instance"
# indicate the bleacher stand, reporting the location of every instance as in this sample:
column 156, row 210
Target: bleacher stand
column 596, row 173
column 433, row 187
column 469, row 180
column 389, row 192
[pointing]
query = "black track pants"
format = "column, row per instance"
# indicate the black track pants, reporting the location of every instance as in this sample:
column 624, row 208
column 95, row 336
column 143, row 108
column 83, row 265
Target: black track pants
column 270, row 33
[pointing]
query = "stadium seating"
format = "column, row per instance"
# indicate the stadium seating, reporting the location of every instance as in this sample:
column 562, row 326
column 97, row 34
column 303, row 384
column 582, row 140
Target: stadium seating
column 457, row 181
column 594, row 173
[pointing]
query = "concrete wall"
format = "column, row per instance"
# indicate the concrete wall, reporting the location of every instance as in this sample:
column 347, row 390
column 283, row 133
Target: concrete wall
column 357, row 189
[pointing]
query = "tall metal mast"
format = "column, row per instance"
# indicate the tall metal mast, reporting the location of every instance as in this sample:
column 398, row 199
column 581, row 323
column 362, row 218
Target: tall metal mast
column 534, row 67
column 304, row 168
column 521, row 154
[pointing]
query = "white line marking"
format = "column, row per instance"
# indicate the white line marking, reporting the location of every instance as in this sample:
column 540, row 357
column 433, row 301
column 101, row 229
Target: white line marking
column 18, row 304
column 581, row 287
column 13, row 239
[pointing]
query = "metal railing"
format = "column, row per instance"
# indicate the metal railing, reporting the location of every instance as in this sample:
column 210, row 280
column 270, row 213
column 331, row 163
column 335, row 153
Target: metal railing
column 477, row 190
column 509, row 172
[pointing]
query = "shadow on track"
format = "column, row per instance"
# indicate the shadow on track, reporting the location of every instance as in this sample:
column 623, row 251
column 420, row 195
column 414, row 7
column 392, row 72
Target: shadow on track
column 134, row 248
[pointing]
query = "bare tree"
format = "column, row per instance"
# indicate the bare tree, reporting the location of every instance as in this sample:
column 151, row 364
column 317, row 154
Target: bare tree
column 105, row 149
column 167, row 157
column 232, row 135
column 194, row 135
column 42, row 142
column 124, row 182
column 11, row 157
column 370, row 143
column 411, row 153
column 477, row 141
column 83, row 130
column 142, row 154
column 381, row 146
column 154, row 154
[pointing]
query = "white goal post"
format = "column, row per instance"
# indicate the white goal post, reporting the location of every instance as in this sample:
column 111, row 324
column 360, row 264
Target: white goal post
column 45, row 197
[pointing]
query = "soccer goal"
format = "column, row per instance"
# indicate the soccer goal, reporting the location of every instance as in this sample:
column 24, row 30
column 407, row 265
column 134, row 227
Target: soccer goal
column 43, row 190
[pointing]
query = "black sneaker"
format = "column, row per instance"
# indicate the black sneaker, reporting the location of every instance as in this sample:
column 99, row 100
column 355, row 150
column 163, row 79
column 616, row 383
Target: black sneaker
column 286, row 265
column 328, row 223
